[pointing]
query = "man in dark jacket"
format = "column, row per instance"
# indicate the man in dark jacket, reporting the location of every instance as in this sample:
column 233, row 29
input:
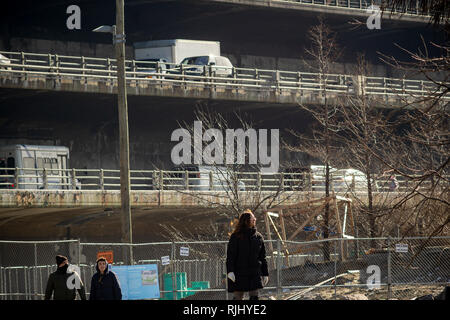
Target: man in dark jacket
column 104, row 284
column 63, row 282
column 246, row 259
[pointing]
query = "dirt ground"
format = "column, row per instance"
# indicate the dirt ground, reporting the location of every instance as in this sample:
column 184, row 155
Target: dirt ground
column 398, row 292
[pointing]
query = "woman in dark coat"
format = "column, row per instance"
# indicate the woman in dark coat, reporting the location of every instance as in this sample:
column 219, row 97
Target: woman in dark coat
column 246, row 259
column 104, row 283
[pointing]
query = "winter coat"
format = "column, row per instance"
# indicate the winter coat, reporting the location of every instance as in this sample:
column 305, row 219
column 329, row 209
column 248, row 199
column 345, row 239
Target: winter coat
column 106, row 286
column 246, row 258
column 57, row 285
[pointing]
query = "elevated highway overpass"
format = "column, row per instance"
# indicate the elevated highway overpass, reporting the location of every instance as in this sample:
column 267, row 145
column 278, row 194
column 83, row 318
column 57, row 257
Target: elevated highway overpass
column 94, row 215
column 410, row 12
column 97, row 75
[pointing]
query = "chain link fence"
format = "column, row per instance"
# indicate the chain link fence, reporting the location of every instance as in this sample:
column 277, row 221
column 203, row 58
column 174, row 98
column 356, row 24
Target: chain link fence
column 338, row 269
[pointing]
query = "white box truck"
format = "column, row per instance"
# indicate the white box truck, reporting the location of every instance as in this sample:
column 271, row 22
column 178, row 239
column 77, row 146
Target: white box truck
column 174, row 51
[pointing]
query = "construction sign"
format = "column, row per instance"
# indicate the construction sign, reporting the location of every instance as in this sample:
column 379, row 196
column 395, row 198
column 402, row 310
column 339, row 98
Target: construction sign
column 108, row 255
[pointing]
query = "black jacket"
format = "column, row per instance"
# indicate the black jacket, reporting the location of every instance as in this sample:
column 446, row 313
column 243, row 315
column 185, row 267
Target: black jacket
column 57, row 285
column 246, row 258
column 106, row 286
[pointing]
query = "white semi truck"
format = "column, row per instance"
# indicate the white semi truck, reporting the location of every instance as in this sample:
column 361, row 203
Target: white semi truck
column 174, row 51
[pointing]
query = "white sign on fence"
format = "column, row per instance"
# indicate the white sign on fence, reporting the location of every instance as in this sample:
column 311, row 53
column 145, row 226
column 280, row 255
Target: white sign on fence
column 165, row 260
column 184, row 251
column 401, row 247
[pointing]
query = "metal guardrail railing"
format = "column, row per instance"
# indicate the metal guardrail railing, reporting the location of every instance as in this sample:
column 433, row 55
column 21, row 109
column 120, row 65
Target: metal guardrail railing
column 26, row 66
column 412, row 8
column 109, row 179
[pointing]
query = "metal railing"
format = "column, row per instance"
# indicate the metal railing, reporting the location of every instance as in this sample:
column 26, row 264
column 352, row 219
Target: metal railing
column 331, row 268
column 109, row 179
column 412, row 8
column 26, row 66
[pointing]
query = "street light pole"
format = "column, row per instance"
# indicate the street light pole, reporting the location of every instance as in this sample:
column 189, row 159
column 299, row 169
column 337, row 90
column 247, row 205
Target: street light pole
column 119, row 42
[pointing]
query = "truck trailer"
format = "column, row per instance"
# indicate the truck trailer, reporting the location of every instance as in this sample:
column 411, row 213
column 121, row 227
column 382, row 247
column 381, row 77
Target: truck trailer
column 174, row 51
column 22, row 167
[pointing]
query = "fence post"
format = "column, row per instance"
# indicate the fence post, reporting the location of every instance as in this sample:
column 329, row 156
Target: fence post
column 183, row 78
column 130, row 247
column 310, row 181
column 357, row 243
column 335, row 268
column 49, row 57
column 79, row 254
column 277, row 75
column 133, row 68
column 279, row 261
column 44, row 178
column 102, row 179
column 109, row 81
column 35, row 272
column 74, row 180
column 57, row 64
column 16, row 178
column 235, row 82
column 174, row 276
column 83, row 72
column 211, row 184
column 259, row 181
column 2, row 281
column 389, row 269
column 22, row 62
column 186, row 180
column 226, row 272
column 161, row 180
column 25, row 280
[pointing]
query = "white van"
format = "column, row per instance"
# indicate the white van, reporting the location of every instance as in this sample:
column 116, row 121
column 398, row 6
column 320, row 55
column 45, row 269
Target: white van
column 343, row 180
column 4, row 62
column 346, row 180
column 30, row 160
column 220, row 66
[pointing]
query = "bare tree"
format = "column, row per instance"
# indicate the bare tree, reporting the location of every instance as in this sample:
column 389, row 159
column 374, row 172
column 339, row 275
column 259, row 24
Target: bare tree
column 366, row 128
column 239, row 184
column 425, row 135
column 321, row 144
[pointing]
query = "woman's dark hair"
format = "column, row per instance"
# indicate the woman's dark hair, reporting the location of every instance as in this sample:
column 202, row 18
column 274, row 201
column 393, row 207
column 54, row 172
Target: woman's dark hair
column 244, row 222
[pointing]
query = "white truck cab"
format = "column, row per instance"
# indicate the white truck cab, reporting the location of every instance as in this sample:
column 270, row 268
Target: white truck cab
column 219, row 65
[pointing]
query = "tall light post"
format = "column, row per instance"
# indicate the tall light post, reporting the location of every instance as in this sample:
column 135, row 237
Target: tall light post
column 118, row 32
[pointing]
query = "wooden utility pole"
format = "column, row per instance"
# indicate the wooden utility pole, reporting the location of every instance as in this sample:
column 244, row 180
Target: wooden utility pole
column 119, row 42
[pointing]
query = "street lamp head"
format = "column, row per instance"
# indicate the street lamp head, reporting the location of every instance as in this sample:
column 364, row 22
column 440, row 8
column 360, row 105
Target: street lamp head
column 105, row 29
